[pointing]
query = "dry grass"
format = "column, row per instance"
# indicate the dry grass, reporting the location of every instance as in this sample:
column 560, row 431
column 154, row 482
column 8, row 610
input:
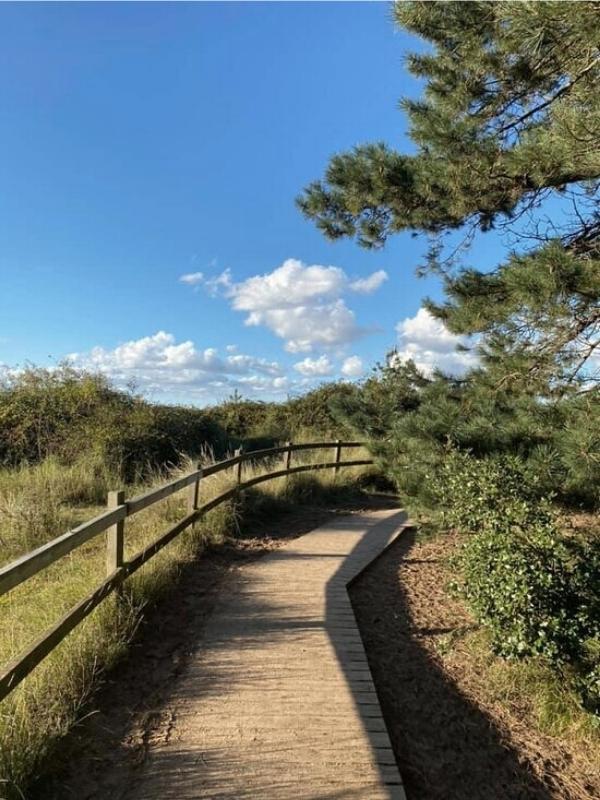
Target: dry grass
column 532, row 691
column 39, row 502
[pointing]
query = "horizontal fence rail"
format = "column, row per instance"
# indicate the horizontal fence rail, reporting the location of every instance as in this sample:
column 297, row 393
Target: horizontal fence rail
column 112, row 522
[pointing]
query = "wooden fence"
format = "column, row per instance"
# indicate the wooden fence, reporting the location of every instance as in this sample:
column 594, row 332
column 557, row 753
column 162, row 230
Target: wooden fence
column 112, row 522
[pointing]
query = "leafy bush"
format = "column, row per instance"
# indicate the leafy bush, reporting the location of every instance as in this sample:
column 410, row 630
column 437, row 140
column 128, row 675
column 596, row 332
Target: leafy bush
column 536, row 590
column 486, row 494
column 538, row 593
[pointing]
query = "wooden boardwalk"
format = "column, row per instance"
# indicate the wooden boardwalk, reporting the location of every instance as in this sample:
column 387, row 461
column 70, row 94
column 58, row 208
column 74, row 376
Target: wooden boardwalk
column 278, row 703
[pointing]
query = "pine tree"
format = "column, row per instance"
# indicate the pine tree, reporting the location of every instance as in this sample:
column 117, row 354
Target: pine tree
column 510, row 117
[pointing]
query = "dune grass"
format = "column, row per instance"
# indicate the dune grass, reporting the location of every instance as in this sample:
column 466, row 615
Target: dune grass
column 40, row 502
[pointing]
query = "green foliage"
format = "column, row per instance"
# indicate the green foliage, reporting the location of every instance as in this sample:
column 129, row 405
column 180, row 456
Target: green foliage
column 492, row 495
column 535, row 589
column 313, row 412
column 240, row 418
column 371, row 407
column 258, row 424
column 537, row 593
column 65, row 412
column 557, row 441
column 504, row 115
column 509, row 118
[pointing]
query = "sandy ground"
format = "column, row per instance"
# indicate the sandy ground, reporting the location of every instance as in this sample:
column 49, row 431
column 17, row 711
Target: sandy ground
column 451, row 741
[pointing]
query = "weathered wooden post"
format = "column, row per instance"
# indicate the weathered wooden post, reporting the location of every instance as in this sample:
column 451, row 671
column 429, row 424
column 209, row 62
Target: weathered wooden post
column 239, row 453
column 114, row 535
column 288, row 456
column 338, row 456
column 194, row 491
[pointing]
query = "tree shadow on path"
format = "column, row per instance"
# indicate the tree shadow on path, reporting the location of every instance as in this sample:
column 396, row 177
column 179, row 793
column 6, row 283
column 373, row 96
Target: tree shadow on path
column 446, row 747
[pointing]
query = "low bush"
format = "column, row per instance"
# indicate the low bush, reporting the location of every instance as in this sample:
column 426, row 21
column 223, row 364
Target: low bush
column 480, row 494
column 535, row 589
column 63, row 413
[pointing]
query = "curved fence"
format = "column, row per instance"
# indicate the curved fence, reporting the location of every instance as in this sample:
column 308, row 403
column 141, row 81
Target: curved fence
column 112, row 523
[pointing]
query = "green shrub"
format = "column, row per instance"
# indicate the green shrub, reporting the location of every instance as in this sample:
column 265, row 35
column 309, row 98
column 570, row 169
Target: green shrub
column 536, row 590
column 475, row 494
column 538, row 593
column 528, row 588
column 63, row 413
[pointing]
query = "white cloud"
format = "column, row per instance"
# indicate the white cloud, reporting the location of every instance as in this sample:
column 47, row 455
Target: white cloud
column 353, row 367
column 371, row 283
column 301, row 304
column 306, row 328
column 290, row 285
column 159, row 364
column 429, row 343
column 192, row 278
column 313, row 367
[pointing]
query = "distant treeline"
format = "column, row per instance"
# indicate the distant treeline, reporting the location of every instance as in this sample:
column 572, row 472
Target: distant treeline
column 67, row 412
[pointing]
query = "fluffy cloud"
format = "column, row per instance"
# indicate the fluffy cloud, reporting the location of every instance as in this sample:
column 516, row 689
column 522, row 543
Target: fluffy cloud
column 301, row 304
column 353, row 367
column 314, row 367
column 429, row 343
column 307, row 328
column 159, row 364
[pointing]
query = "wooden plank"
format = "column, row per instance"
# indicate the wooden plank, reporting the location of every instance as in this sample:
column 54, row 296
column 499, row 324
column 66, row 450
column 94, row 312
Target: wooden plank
column 238, row 453
column 304, row 468
column 231, row 462
column 154, row 495
column 338, row 455
column 194, row 492
column 29, row 564
column 271, row 451
column 325, row 445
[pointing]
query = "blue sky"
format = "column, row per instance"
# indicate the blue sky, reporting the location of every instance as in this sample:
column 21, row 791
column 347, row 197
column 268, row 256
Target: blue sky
column 143, row 142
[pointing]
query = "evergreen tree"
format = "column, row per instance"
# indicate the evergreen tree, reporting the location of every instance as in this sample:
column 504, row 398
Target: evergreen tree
column 510, row 116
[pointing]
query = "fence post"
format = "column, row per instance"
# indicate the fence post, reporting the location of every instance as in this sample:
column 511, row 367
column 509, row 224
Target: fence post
column 288, row 456
column 338, row 456
column 114, row 535
column 237, row 453
column 194, row 491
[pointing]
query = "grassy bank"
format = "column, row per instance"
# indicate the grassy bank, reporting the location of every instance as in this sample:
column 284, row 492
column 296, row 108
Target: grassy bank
column 40, row 501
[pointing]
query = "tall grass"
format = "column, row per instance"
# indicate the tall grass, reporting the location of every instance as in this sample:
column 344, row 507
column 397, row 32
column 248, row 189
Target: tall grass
column 41, row 501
